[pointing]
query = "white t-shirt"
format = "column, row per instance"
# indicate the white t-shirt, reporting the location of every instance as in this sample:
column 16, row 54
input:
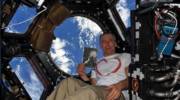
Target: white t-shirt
column 111, row 69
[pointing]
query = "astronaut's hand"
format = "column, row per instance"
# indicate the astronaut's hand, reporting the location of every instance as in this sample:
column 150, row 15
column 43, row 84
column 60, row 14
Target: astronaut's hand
column 81, row 72
column 114, row 92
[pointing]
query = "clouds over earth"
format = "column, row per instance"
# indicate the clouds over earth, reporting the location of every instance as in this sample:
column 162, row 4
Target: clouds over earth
column 21, row 20
column 89, row 30
column 124, row 11
column 60, row 55
column 27, row 77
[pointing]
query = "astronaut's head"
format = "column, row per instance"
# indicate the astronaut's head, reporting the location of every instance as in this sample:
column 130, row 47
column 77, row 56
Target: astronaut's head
column 108, row 43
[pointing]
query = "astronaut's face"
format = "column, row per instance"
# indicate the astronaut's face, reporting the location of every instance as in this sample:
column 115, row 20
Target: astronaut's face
column 108, row 44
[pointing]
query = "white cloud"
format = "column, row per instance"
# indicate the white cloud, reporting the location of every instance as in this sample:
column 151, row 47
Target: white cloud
column 32, row 86
column 58, row 43
column 60, row 52
column 89, row 30
column 124, row 11
column 87, row 39
column 65, row 67
column 34, row 92
column 60, row 57
column 85, row 24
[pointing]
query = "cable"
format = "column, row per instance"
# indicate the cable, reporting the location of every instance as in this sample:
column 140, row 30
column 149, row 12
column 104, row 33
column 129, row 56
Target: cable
column 15, row 24
column 175, row 81
column 164, row 94
column 164, row 47
column 149, row 8
column 171, row 15
column 175, row 21
column 175, row 56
